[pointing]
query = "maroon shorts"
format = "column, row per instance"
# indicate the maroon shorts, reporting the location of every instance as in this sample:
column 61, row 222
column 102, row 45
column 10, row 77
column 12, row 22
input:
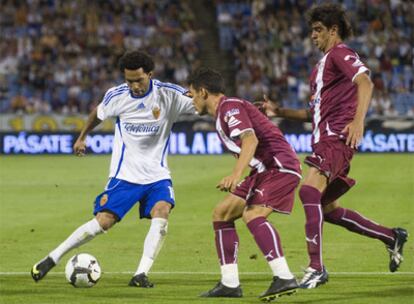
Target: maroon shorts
column 333, row 158
column 271, row 188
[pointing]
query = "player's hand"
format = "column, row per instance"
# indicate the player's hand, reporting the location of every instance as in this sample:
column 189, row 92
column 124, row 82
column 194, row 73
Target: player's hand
column 260, row 106
column 268, row 107
column 355, row 131
column 79, row 147
column 228, row 183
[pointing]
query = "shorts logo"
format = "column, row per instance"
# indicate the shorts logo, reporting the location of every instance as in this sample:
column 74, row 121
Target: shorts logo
column 156, row 112
column 104, row 200
column 172, row 196
column 259, row 191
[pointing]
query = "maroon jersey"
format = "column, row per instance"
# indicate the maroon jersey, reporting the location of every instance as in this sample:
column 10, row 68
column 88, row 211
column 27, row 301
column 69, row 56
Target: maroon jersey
column 333, row 93
column 235, row 116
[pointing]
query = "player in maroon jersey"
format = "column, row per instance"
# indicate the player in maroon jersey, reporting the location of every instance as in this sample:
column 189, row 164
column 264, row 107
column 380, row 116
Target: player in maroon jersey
column 340, row 94
column 275, row 174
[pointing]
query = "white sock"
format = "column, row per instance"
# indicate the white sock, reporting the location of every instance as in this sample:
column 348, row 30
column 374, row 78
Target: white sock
column 152, row 244
column 280, row 268
column 230, row 275
column 83, row 234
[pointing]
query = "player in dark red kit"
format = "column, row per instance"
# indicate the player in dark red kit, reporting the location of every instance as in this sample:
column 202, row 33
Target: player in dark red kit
column 340, row 95
column 275, row 174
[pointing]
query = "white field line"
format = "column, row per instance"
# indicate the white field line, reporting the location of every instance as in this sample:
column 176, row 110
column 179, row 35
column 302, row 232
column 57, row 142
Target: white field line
column 11, row 273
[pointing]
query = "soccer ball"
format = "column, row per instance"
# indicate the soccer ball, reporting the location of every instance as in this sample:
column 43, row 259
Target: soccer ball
column 83, row 270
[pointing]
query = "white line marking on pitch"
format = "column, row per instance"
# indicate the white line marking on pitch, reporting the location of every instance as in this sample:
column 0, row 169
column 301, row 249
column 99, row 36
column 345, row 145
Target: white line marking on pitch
column 6, row 273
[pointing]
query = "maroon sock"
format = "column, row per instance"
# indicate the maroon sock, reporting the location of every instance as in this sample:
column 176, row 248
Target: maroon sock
column 266, row 238
column 355, row 222
column 311, row 200
column 227, row 242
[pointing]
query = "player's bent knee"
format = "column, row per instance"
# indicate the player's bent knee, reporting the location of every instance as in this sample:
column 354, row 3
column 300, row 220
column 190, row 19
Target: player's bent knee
column 330, row 207
column 253, row 212
column 222, row 213
column 248, row 216
column 229, row 210
column 161, row 209
column 106, row 220
column 308, row 191
column 219, row 213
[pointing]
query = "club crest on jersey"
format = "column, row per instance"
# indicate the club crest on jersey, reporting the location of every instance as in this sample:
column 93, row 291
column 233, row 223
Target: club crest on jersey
column 156, row 111
column 104, row 200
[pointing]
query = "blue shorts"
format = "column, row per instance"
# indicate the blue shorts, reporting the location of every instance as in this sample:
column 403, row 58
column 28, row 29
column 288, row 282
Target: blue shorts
column 120, row 196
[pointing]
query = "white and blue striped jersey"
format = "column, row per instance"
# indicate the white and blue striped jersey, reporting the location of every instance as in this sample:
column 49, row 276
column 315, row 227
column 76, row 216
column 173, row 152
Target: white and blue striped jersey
column 143, row 129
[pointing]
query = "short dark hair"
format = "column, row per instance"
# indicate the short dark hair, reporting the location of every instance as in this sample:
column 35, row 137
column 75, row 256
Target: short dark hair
column 330, row 14
column 133, row 60
column 208, row 79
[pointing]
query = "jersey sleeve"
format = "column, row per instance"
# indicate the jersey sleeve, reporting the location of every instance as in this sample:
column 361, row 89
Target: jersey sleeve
column 235, row 116
column 349, row 63
column 184, row 104
column 108, row 106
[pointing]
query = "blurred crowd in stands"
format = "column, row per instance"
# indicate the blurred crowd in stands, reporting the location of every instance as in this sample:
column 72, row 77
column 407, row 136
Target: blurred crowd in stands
column 273, row 52
column 61, row 56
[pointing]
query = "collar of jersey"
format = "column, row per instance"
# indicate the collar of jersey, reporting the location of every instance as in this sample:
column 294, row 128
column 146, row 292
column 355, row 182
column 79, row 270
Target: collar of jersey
column 219, row 104
column 145, row 95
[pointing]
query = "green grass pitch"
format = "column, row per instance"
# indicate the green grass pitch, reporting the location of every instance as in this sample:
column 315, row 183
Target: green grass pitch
column 44, row 198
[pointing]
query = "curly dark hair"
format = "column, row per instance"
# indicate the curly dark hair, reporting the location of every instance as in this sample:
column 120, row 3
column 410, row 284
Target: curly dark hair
column 208, row 79
column 133, row 60
column 330, row 14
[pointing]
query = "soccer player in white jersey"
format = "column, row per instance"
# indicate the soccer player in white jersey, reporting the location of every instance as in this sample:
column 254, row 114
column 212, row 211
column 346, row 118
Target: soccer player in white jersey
column 145, row 110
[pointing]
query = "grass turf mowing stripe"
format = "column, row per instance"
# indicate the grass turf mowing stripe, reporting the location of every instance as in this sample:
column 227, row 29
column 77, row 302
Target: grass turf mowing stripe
column 5, row 273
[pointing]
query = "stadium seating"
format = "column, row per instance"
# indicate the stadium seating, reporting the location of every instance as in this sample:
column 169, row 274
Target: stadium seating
column 61, row 56
column 273, row 52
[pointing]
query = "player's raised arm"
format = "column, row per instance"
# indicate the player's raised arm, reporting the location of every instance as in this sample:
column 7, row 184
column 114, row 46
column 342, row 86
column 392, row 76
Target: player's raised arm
column 272, row 109
column 80, row 145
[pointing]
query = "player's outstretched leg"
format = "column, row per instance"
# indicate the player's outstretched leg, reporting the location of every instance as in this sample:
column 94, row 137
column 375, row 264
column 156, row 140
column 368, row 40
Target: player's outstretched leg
column 40, row 269
column 314, row 278
column 227, row 242
column 394, row 239
column 355, row 222
column 396, row 249
column 83, row 234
